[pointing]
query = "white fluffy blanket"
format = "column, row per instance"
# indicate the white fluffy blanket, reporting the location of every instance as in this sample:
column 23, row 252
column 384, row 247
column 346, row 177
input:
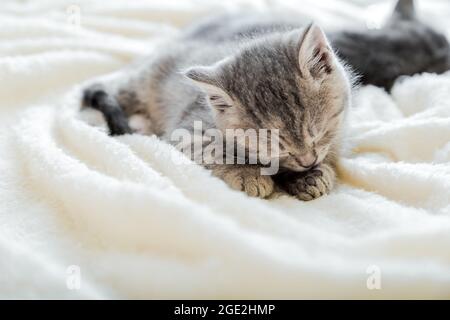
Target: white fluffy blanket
column 84, row 215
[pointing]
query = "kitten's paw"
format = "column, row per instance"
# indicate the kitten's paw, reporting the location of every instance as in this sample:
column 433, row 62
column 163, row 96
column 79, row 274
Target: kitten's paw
column 92, row 96
column 312, row 184
column 247, row 179
column 97, row 98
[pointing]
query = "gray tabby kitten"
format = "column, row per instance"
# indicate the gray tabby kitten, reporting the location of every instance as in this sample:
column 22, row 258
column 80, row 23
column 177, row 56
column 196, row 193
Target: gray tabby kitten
column 288, row 79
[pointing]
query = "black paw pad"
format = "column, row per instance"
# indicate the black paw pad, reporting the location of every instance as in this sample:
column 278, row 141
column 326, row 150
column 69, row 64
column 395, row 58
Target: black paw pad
column 316, row 173
column 311, row 181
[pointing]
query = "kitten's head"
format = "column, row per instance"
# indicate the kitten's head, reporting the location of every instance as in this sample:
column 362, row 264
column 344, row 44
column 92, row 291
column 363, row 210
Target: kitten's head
column 427, row 49
column 292, row 82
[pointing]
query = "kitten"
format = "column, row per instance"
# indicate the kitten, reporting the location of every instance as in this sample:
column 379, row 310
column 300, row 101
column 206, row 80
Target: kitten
column 289, row 80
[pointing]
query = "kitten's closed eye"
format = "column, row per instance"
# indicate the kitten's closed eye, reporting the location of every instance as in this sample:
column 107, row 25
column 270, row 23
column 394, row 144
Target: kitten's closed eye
column 325, row 139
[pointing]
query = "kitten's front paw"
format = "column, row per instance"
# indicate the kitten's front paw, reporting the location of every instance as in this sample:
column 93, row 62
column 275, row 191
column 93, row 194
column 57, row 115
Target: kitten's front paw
column 247, row 179
column 311, row 184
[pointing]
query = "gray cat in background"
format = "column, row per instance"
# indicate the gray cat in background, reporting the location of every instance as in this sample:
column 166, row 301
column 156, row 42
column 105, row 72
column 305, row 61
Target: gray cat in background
column 403, row 47
column 249, row 72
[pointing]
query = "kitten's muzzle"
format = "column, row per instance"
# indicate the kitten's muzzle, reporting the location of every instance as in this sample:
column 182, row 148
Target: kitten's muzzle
column 300, row 163
column 307, row 161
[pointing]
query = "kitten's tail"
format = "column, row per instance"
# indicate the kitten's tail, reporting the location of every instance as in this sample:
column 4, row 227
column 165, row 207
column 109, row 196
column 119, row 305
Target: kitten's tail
column 97, row 98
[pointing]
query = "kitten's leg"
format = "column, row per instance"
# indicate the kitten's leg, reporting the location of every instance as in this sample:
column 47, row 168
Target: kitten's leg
column 311, row 184
column 245, row 178
column 98, row 98
column 121, row 95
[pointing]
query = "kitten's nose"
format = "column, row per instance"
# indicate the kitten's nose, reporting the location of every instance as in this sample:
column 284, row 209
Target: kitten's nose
column 308, row 160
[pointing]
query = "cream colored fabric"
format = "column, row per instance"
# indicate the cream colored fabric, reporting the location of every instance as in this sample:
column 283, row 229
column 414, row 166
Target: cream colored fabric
column 137, row 225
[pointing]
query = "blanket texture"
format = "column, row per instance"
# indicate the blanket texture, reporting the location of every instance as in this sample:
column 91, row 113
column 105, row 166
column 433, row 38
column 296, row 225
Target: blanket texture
column 85, row 215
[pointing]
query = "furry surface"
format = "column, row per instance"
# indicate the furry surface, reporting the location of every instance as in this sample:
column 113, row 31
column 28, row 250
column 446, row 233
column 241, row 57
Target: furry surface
column 142, row 221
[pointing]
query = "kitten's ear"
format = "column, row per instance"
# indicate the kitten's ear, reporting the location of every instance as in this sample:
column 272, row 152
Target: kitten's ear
column 206, row 79
column 404, row 10
column 315, row 55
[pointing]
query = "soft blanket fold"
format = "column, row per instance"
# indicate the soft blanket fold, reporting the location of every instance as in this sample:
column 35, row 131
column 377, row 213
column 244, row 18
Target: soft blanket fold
column 85, row 215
